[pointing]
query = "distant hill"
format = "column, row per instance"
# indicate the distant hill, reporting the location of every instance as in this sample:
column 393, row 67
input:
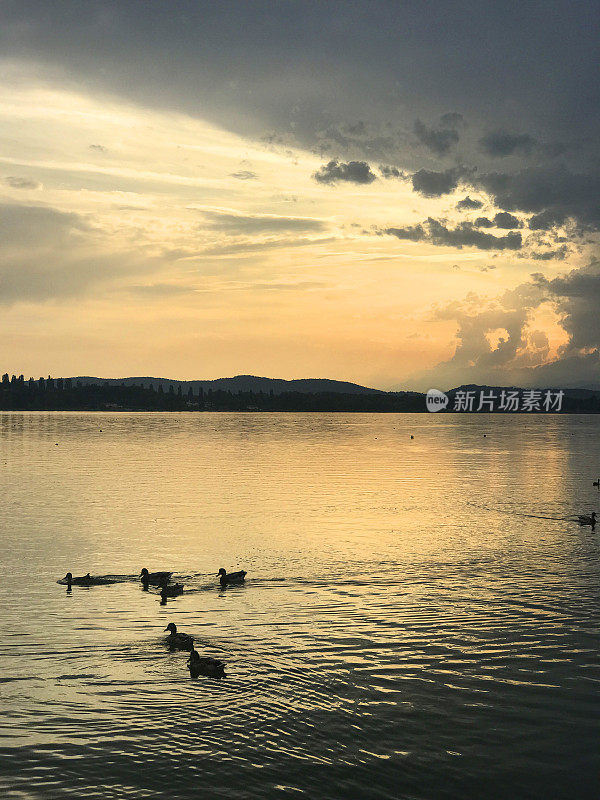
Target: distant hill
column 241, row 383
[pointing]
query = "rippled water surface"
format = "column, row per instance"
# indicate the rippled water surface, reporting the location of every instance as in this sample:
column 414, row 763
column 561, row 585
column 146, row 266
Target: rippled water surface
column 419, row 618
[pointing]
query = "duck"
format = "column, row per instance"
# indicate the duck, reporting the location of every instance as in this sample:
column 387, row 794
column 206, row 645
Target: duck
column 178, row 641
column 171, row 590
column 232, row 577
column 209, row 667
column 585, row 520
column 155, row 578
column 83, row 580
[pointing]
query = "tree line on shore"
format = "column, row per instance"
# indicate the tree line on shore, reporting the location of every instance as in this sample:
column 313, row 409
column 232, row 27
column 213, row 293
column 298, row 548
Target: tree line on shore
column 65, row 394
column 68, row 394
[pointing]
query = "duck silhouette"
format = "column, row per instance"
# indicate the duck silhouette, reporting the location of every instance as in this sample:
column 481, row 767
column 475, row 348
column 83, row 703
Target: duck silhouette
column 226, row 578
column 83, row 580
column 587, row 520
column 171, row 590
column 178, row 641
column 209, row 667
column 153, row 578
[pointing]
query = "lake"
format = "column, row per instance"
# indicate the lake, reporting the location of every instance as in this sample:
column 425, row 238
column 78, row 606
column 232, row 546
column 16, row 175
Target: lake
column 419, row 620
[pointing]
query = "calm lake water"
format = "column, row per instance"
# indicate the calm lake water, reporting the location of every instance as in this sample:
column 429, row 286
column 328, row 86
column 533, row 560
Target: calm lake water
column 417, row 622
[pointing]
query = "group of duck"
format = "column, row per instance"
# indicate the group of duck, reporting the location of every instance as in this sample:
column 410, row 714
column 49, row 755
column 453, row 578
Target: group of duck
column 176, row 640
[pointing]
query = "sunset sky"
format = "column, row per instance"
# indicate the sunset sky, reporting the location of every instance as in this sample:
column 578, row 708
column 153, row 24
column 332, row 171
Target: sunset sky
column 400, row 194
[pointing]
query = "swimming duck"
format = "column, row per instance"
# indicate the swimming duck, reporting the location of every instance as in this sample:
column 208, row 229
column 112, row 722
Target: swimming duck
column 82, row 580
column 155, row 578
column 178, row 641
column 232, row 577
column 584, row 520
column 171, row 590
column 209, row 667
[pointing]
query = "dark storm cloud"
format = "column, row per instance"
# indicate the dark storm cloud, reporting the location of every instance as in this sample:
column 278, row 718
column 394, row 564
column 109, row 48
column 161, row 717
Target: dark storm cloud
column 508, row 221
column 464, row 235
column 297, row 68
column 411, row 233
column 452, row 120
column 434, row 184
column 467, row 204
column 359, row 137
column 552, row 194
column 499, row 144
column 438, row 140
column 546, row 220
column 352, row 172
column 483, row 222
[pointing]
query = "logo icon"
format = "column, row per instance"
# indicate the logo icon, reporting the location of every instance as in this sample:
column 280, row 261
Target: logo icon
column 436, row 400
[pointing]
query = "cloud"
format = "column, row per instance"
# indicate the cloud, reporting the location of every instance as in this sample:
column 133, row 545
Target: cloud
column 467, row 204
column 452, row 119
column 33, row 226
column 434, row 184
column 493, row 343
column 21, row 183
column 548, row 255
column 353, row 172
column 464, row 235
column 99, row 148
column 233, row 223
column 499, row 144
column 160, row 290
column 269, row 286
column 411, row 233
column 505, row 220
column 47, row 254
column 391, row 172
column 438, row 140
column 430, row 183
column 519, row 355
column 356, row 138
column 577, row 295
column 247, row 248
column 546, row 220
column 483, row 222
column 552, row 194
column 244, row 175
column 270, row 66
